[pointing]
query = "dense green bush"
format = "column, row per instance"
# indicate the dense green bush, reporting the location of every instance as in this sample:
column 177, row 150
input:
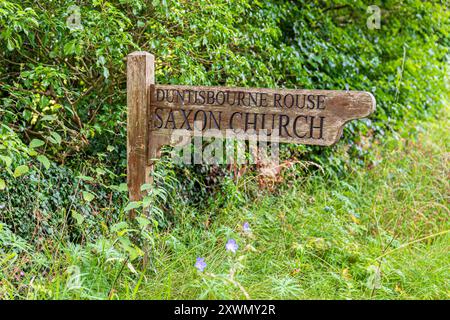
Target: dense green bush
column 66, row 87
column 73, row 81
column 50, row 203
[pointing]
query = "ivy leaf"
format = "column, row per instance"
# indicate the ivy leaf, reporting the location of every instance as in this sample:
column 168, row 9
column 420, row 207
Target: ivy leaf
column 70, row 48
column 7, row 160
column 36, row 143
column 87, row 196
column 120, row 188
column 20, row 170
column 123, row 187
column 44, row 160
column 78, row 217
column 132, row 205
column 57, row 137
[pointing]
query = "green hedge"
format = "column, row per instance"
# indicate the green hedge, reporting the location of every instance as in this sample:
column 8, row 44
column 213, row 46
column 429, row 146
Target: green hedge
column 73, row 81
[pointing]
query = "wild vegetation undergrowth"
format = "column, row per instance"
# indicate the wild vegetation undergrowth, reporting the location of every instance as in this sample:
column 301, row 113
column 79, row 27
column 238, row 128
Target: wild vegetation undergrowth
column 367, row 218
column 379, row 231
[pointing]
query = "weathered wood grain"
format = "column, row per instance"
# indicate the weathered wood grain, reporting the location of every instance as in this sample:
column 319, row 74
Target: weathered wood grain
column 314, row 117
column 140, row 75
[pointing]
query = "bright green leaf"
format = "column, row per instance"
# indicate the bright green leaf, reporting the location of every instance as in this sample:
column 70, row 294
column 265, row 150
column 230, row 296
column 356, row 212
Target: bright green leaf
column 7, row 160
column 143, row 222
column 78, row 217
column 57, row 137
column 123, row 187
column 36, row 143
column 146, row 202
column 44, row 160
column 132, row 205
column 20, row 170
column 87, row 196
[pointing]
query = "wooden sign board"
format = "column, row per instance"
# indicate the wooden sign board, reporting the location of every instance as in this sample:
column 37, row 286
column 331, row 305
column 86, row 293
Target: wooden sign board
column 314, row 117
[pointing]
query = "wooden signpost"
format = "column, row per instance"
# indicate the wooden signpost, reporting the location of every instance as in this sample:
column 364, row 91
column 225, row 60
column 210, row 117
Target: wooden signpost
column 315, row 117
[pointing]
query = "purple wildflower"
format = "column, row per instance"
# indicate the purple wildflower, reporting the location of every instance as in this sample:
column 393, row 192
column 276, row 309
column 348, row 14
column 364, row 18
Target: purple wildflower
column 246, row 227
column 232, row 245
column 200, row 264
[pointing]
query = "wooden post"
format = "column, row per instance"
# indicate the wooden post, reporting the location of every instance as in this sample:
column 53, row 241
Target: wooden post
column 140, row 75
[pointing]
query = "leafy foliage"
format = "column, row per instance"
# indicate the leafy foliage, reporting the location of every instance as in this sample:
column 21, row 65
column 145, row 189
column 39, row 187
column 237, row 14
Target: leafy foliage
column 71, row 82
column 63, row 119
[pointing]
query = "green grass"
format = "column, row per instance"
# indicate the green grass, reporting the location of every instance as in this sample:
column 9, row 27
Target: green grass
column 378, row 231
